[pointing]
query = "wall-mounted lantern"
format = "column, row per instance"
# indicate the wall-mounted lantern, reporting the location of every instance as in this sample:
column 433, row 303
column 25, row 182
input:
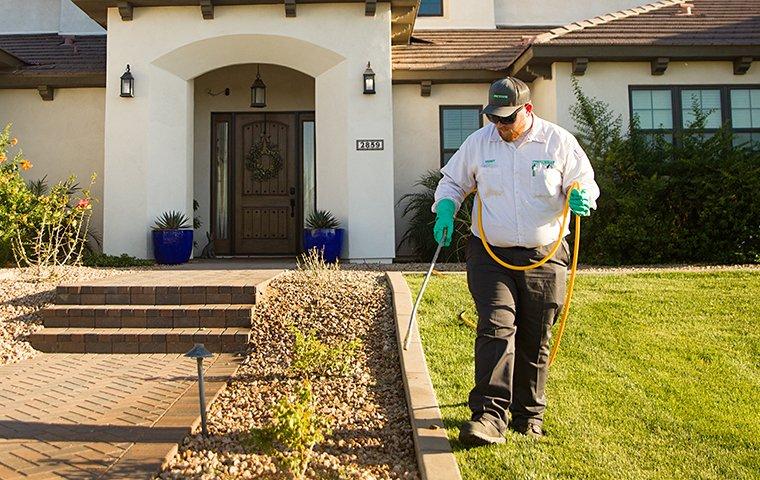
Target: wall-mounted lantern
column 369, row 80
column 258, row 92
column 127, row 84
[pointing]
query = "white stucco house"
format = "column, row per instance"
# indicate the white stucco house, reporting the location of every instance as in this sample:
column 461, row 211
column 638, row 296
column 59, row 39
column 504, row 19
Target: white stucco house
column 189, row 130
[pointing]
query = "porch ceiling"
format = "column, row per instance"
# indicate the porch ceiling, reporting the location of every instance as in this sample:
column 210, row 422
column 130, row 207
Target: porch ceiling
column 403, row 12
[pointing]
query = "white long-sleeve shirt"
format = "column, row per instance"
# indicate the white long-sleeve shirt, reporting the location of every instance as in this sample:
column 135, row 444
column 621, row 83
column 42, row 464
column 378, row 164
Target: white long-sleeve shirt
column 522, row 184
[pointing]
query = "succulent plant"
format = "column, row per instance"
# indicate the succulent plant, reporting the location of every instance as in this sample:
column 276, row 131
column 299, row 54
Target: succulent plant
column 172, row 220
column 321, row 219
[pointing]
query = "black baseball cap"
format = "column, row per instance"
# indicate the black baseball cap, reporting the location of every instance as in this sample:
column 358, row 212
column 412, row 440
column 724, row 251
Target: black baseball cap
column 505, row 96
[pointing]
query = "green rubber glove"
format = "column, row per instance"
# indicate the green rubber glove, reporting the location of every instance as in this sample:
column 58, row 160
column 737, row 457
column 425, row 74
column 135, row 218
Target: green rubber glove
column 444, row 219
column 579, row 202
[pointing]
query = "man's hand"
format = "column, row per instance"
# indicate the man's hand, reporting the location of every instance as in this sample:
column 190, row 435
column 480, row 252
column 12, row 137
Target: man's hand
column 579, row 202
column 444, row 220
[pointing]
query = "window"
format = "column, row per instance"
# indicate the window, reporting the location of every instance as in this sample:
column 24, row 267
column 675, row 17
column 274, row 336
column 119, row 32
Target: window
column 745, row 115
column 668, row 110
column 654, row 111
column 431, row 8
column 457, row 123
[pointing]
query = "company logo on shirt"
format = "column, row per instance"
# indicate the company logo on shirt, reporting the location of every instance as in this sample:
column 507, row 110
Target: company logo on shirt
column 489, row 163
column 538, row 164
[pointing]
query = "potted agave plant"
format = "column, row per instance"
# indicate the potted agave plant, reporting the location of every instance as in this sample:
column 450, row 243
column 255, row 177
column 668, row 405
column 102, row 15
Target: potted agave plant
column 172, row 238
column 322, row 233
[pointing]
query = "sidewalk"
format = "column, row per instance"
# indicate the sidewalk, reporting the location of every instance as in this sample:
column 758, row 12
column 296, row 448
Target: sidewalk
column 88, row 416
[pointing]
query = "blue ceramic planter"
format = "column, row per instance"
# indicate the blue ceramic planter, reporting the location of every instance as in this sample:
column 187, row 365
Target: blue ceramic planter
column 172, row 247
column 329, row 239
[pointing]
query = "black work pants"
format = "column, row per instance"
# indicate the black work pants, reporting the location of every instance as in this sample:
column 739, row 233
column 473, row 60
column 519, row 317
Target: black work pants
column 516, row 311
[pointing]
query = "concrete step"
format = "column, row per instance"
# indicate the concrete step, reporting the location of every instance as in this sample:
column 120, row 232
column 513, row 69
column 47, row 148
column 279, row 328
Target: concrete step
column 154, row 295
column 139, row 340
column 148, row 316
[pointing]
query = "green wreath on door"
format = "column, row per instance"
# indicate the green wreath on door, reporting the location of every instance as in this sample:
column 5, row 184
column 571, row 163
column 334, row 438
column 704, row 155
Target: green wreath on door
column 257, row 153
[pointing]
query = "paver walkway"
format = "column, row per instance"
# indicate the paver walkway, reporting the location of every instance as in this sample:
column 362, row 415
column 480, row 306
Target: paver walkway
column 82, row 416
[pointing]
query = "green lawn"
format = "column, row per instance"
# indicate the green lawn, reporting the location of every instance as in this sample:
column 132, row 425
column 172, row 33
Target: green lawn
column 658, row 376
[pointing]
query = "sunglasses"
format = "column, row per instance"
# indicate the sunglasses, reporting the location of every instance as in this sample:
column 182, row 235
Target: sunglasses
column 504, row 120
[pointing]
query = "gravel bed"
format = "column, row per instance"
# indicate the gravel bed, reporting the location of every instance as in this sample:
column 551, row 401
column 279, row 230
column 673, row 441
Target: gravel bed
column 370, row 432
column 22, row 296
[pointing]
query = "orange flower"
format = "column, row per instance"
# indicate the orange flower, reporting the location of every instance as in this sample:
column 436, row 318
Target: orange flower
column 2, row 157
column 83, row 203
column 26, row 164
column 14, row 141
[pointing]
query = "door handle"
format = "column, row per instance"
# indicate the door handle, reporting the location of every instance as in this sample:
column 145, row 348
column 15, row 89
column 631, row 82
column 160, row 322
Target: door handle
column 292, row 207
column 292, row 190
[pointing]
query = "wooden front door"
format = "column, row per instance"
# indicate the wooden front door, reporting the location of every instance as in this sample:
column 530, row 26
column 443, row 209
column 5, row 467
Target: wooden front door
column 265, row 200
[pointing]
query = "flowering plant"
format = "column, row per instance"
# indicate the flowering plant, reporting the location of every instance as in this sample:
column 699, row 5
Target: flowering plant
column 39, row 228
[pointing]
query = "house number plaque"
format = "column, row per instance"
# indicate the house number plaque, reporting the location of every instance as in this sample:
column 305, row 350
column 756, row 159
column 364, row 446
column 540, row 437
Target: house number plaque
column 370, row 144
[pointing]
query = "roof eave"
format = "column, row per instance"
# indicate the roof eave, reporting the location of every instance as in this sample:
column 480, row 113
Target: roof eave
column 56, row 80
column 541, row 55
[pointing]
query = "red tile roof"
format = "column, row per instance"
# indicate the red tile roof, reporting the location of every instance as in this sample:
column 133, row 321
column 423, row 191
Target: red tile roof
column 463, row 49
column 48, row 54
column 667, row 22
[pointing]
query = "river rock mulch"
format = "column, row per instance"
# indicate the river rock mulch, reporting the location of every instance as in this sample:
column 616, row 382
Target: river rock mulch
column 370, row 432
column 23, row 294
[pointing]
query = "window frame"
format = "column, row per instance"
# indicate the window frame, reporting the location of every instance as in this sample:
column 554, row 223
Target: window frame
column 443, row 151
column 749, row 130
column 675, row 98
column 443, row 11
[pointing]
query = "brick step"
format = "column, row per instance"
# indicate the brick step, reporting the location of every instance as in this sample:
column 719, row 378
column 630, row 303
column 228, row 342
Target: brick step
column 154, row 295
column 147, row 316
column 139, row 340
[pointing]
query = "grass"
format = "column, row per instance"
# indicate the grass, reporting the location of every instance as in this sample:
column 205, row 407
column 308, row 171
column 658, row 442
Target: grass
column 658, row 377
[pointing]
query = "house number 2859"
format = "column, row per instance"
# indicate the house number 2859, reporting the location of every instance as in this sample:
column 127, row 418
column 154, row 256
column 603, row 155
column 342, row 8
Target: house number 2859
column 370, row 144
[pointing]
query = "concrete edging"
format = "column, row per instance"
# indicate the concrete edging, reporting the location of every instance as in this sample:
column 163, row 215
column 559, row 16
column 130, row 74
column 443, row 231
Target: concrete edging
column 435, row 458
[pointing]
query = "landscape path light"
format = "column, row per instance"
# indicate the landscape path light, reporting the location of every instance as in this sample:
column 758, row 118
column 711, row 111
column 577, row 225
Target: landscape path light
column 199, row 352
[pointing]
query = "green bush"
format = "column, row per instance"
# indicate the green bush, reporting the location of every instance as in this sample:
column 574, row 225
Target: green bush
column 691, row 201
column 313, row 357
column 419, row 234
column 95, row 259
column 39, row 228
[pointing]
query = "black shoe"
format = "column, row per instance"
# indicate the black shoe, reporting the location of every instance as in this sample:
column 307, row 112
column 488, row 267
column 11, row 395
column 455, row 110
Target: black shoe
column 480, row 432
column 530, row 429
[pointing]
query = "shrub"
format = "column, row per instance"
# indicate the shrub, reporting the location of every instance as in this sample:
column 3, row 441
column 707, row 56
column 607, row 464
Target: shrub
column 95, row 259
column 38, row 228
column 691, row 201
column 421, row 221
column 312, row 357
column 294, row 430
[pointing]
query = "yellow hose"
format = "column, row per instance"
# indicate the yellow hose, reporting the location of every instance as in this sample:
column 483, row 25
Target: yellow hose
column 576, row 246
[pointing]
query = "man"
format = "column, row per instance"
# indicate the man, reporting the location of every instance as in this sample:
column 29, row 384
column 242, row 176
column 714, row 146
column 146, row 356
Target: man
column 522, row 167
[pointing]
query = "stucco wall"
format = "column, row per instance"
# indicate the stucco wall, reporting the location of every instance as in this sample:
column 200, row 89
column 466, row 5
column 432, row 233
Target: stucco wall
column 417, row 135
column 149, row 139
column 61, row 137
column 556, row 12
column 461, row 14
column 609, row 81
column 287, row 90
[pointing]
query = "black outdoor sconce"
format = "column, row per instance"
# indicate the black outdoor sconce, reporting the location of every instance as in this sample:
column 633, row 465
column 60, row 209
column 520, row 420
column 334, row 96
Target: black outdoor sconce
column 258, row 92
column 369, row 80
column 127, row 84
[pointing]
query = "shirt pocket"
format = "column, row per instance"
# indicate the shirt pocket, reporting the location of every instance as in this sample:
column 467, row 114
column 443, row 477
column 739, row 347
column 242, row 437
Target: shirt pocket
column 546, row 182
column 489, row 181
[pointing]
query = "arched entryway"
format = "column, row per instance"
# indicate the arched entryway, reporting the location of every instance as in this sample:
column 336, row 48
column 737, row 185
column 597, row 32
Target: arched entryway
column 254, row 168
